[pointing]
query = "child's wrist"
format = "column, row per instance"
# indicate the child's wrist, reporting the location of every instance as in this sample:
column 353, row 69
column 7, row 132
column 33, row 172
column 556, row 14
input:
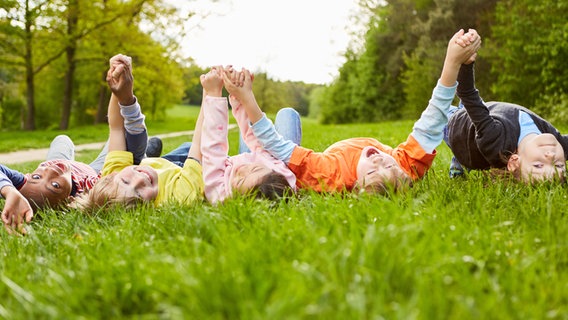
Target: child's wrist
column 215, row 93
column 127, row 101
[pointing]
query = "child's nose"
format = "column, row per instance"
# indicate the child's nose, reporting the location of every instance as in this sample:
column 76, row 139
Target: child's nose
column 549, row 154
column 139, row 180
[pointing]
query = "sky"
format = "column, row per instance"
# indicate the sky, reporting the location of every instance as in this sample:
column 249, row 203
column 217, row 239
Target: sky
column 297, row 40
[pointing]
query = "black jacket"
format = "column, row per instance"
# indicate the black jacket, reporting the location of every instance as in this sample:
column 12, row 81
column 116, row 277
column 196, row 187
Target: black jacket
column 484, row 135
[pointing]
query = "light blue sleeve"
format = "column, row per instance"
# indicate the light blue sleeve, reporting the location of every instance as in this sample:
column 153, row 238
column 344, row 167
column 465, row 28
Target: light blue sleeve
column 527, row 125
column 428, row 130
column 272, row 141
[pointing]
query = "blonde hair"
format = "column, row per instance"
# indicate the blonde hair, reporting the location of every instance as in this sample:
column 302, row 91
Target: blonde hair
column 104, row 195
column 395, row 184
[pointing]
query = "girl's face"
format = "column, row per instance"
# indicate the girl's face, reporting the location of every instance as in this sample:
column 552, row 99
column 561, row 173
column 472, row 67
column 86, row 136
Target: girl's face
column 541, row 158
column 248, row 176
column 138, row 182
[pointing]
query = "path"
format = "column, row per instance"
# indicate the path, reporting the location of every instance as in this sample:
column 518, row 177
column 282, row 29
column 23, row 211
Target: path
column 40, row 154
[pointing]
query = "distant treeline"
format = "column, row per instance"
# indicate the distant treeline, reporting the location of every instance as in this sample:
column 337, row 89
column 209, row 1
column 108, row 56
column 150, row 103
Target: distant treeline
column 54, row 56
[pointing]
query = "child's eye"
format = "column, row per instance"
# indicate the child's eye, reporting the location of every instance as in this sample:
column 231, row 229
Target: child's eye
column 124, row 181
column 537, row 165
column 560, row 165
column 371, row 172
column 36, row 176
column 55, row 185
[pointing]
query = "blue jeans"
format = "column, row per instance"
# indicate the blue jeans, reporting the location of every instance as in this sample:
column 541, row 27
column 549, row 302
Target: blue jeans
column 287, row 124
column 179, row 154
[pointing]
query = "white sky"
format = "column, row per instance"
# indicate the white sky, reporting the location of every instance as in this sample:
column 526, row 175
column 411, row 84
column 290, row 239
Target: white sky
column 298, row 40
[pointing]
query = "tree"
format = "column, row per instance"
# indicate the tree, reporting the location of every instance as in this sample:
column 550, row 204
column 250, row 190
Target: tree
column 530, row 55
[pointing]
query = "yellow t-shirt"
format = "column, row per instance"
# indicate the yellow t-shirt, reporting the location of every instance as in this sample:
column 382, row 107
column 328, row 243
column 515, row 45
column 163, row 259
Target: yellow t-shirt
column 175, row 184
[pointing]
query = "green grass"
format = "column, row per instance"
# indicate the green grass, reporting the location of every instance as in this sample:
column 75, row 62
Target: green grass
column 446, row 249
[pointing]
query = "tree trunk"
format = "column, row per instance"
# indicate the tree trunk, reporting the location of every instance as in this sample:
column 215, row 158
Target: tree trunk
column 72, row 18
column 68, row 90
column 29, row 123
column 102, row 106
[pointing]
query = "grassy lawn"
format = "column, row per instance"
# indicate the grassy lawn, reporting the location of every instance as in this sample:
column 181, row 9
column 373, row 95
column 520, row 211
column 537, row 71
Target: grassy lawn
column 447, row 249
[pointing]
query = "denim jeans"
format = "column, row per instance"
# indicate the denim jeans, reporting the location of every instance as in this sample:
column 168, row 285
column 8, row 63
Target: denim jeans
column 287, row 124
column 179, row 154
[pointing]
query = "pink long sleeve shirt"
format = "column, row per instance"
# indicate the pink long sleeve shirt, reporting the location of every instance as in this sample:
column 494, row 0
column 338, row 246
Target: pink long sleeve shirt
column 218, row 167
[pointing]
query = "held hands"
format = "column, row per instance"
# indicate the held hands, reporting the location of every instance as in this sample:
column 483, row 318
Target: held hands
column 238, row 84
column 17, row 210
column 462, row 48
column 120, row 79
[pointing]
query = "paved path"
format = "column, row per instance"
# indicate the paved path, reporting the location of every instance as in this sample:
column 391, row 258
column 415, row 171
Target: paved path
column 40, row 154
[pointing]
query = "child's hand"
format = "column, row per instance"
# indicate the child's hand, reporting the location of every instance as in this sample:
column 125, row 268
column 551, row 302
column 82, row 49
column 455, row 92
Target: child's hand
column 238, row 84
column 463, row 47
column 16, row 210
column 467, row 39
column 120, row 79
column 212, row 82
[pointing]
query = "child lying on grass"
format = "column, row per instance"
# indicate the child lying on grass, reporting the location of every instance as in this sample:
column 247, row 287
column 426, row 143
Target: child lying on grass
column 256, row 172
column 501, row 135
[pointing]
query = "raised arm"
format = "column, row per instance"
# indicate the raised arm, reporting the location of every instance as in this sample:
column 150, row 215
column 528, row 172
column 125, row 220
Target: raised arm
column 195, row 149
column 214, row 140
column 428, row 130
column 120, row 81
column 485, row 125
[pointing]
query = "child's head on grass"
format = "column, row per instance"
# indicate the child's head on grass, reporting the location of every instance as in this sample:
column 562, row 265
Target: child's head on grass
column 378, row 172
column 130, row 186
column 48, row 186
column 260, row 180
column 538, row 158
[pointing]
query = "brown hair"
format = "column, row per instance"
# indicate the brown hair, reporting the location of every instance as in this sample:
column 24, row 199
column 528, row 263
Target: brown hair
column 272, row 187
column 104, row 195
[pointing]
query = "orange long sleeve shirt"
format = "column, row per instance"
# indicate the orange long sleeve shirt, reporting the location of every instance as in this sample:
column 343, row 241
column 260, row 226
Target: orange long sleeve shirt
column 335, row 169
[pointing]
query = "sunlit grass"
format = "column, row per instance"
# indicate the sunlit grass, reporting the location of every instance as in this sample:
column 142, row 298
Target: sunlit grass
column 447, row 249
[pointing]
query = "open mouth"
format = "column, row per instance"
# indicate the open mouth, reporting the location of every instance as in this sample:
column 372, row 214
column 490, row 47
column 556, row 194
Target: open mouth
column 148, row 175
column 371, row 152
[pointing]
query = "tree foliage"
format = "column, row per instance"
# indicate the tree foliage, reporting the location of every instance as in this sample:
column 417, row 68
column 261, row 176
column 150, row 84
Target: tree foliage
column 392, row 72
column 66, row 44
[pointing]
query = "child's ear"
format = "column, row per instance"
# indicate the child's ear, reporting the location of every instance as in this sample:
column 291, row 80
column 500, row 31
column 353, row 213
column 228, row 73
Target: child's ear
column 514, row 163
